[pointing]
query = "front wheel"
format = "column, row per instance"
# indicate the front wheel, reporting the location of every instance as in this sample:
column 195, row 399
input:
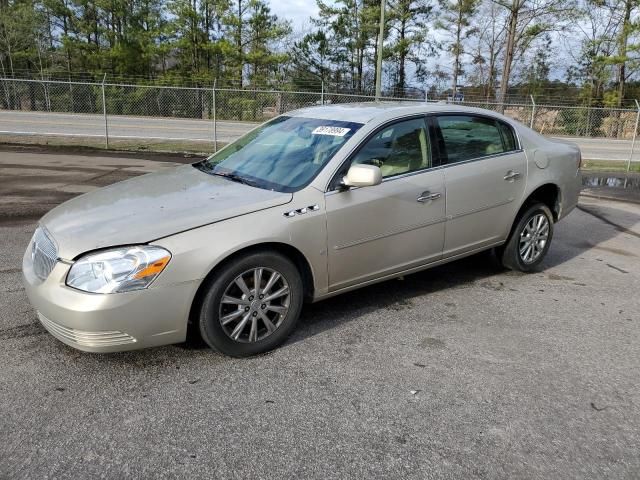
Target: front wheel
column 252, row 305
column 529, row 240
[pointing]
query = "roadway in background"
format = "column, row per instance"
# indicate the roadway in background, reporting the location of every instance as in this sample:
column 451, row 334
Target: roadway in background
column 177, row 129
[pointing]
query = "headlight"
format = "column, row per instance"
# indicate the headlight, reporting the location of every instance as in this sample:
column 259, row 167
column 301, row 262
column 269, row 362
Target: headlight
column 118, row 270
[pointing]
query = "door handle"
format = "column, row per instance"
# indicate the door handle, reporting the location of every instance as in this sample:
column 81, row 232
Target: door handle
column 511, row 175
column 427, row 196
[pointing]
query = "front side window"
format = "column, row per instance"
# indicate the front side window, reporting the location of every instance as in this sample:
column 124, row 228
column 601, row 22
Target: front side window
column 399, row 148
column 465, row 137
column 284, row 154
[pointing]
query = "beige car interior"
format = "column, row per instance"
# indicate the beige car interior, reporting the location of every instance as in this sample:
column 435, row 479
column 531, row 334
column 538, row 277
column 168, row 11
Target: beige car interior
column 399, row 149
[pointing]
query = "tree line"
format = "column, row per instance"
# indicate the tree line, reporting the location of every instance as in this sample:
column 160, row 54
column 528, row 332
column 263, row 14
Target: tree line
column 584, row 51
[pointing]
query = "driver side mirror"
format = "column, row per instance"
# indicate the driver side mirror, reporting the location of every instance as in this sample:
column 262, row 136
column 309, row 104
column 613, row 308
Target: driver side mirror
column 362, row 176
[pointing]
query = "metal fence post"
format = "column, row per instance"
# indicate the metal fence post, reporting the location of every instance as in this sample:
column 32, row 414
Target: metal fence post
column 633, row 144
column 5, row 87
column 215, row 120
column 322, row 92
column 104, row 111
column 533, row 112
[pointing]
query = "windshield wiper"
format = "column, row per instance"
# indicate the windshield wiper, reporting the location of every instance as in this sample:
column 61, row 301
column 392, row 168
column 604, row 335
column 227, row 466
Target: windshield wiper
column 205, row 167
column 234, row 178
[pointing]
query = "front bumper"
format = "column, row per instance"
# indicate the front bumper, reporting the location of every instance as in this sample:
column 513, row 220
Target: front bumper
column 106, row 323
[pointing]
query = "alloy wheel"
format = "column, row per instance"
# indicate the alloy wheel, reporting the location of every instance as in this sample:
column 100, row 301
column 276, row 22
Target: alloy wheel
column 254, row 305
column 533, row 238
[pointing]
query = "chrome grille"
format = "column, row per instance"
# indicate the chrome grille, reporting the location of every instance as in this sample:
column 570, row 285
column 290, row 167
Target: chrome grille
column 84, row 338
column 44, row 253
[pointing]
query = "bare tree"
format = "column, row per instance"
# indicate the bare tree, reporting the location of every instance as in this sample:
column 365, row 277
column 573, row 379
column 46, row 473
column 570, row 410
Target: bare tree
column 594, row 31
column 528, row 20
column 628, row 26
column 491, row 26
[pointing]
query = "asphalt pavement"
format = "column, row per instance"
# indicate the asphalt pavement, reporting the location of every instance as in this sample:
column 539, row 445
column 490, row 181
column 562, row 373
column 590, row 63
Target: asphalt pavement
column 463, row 371
column 119, row 127
column 17, row 123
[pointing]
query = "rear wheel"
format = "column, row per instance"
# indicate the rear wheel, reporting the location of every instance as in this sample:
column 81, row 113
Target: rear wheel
column 529, row 240
column 252, row 305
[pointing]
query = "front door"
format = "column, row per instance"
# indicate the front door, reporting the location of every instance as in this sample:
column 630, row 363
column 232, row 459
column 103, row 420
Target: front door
column 387, row 228
column 485, row 176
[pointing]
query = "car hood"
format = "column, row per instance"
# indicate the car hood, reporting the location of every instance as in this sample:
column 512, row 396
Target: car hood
column 152, row 206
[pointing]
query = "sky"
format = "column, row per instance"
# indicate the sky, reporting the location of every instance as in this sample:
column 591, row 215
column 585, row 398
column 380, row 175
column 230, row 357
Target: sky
column 297, row 11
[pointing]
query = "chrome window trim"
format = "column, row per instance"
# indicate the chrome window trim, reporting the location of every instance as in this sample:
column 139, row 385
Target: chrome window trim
column 389, row 179
column 431, row 169
column 514, row 130
column 484, row 157
column 426, row 115
column 376, row 130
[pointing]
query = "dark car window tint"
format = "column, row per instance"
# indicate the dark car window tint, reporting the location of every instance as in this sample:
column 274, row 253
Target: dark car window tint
column 508, row 137
column 467, row 137
column 400, row 148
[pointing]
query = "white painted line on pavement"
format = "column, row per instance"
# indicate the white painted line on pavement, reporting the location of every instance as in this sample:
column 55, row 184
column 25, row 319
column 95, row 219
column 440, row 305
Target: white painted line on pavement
column 94, row 135
column 124, row 117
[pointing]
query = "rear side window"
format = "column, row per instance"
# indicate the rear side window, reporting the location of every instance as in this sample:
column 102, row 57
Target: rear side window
column 465, row 137
column 508, row 137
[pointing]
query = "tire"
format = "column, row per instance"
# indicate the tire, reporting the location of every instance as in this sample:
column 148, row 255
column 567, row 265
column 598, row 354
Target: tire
column 527, row 235
column 236, row 283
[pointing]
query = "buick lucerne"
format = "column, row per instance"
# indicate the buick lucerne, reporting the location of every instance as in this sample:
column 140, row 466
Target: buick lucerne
column 311, row 204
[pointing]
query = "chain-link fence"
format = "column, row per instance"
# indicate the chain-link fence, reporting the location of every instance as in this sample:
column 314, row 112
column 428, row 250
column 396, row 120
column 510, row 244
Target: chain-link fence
column 159, row 101
column 110, row 110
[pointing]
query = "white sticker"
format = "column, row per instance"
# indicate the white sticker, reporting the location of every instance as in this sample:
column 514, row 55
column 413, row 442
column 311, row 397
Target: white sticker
column 333, row 131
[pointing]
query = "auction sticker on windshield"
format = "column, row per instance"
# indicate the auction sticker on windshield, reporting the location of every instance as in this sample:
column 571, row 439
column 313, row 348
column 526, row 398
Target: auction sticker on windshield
column 333, row 131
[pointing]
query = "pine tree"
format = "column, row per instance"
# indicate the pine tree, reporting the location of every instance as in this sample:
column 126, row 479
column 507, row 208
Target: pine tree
column 456, row 19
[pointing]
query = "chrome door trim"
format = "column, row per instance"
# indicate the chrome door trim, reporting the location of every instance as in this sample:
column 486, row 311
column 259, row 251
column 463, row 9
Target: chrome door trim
column 389, row 234
column 407, row 271
column 481, row 209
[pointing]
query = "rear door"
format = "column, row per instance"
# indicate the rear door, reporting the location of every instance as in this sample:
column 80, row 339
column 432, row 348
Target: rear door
column 485, row 176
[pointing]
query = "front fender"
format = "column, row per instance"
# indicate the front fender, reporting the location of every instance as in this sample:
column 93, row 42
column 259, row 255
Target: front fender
column 197, row 252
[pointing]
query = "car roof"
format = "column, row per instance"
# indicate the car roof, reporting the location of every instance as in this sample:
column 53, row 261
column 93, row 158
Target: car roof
column 365, row 112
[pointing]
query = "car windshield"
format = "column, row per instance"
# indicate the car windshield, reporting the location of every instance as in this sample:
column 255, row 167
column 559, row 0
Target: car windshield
column 284, row 154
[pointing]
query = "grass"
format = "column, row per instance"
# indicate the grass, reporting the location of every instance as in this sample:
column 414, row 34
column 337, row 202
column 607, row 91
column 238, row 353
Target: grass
column 614, row 166
column 205, row 148
column 141, row 146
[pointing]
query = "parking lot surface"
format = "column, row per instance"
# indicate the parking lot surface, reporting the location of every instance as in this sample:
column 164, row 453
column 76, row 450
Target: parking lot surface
column 462, row 371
